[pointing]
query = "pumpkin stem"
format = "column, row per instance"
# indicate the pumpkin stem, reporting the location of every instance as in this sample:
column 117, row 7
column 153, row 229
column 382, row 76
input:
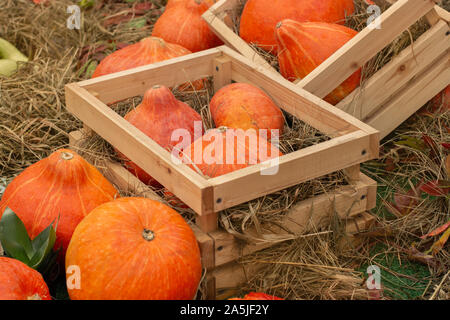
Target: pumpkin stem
column 222, row 128
column 279, row 24
column 156, row 86
column 148, row 235
column 66, row 156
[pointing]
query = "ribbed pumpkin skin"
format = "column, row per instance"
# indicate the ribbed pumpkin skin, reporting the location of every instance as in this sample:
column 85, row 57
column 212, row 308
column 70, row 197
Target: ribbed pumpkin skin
column 304, row 46
column 55, row 187
column 244, row 106
column 259, row 17
column 117, row 263
column 19, row 282
column 182, row 24
column 201, row 149
column 158, row 115
column 171, row 3
column 147, row 51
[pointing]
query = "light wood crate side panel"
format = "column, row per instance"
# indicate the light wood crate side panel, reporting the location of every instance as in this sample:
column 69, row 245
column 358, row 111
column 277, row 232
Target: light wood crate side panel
column 417, row 92
column 392, row 77
column 134, row 82
column 301, row 218
column 362, row 47
column 293, row 168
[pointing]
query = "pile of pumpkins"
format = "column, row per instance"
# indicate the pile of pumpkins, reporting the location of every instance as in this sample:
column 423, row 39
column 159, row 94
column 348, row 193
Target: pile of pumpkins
column 137, row 248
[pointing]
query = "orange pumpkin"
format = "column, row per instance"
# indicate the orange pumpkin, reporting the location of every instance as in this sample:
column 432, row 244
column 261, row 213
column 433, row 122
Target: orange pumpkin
column 63, row 186
column 19, row 282
column 441, row 102
column 171, row 3
column 146, row 251
column 257, row 296
column 304, row 46
column 182, row 23
column 244, row 106
column 158, row 116
column 259, row 17
column 147, row 51
column 224, row 150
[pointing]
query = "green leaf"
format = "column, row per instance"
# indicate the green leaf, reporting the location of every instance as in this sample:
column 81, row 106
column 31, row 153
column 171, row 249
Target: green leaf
column 412, row 143
column 14, row 237
column 85, row 4
column 42, row 246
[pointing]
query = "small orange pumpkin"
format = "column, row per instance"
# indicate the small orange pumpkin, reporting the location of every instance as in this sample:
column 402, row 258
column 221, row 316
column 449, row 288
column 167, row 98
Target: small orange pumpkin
column 244, row 106
column 147, row 51
column 19, row 282
column 63, row 186
column 224, row 150
column 182, row 23
column 134, row 249
column 259, row 17
column 304, row 46
column 158, row 116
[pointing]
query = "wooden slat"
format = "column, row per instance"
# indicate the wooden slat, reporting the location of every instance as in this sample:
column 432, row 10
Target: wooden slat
column 215, row 19
column 411, row 61
column 416, row 93
column 300, row 103
column 293, row 168
column 221, row 72
column 303, row 217
column 368, row 42
column 184, row 182
column 134, row 82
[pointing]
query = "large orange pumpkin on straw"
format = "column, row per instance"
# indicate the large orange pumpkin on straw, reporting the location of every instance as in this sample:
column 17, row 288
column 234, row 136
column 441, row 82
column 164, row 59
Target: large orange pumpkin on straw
column 19, row 282
column 304, row 46
column 147, row 51
column 244, row 106
column 182, row 23
column 158, row 116
column 134, row 249
column 63, row 186
column 259, row 17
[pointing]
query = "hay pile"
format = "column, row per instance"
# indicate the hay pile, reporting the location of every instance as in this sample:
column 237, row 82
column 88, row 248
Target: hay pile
column 33, row 123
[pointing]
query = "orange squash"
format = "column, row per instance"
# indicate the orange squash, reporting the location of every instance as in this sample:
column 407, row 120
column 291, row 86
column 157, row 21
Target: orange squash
column 244, row 106
column 63, row 185
column 158, row 116
column 19, row 282
column 441, row 102
column 182, row 23
column 146, row 251
column 259, row 17
column 171, row 3
column 147, row 51
column 257, row 296
column 224, row 150
column 304, row 46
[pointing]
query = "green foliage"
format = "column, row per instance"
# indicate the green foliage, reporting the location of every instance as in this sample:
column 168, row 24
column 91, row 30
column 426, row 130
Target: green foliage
column 14, row 238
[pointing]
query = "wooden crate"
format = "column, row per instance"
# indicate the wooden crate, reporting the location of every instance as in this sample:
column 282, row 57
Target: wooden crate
column 394, row 92
column 351, row 143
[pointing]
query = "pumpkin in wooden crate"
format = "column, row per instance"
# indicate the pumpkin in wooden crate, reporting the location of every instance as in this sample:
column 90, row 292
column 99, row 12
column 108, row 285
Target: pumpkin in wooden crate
column 304, row 46
column 182, row 23
column 134, row 249
column 244, row 106
column 63, row 188
column 20, row 282
column 147, row 51
column 158, row 116
column 259, row 17
column 223, row 150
